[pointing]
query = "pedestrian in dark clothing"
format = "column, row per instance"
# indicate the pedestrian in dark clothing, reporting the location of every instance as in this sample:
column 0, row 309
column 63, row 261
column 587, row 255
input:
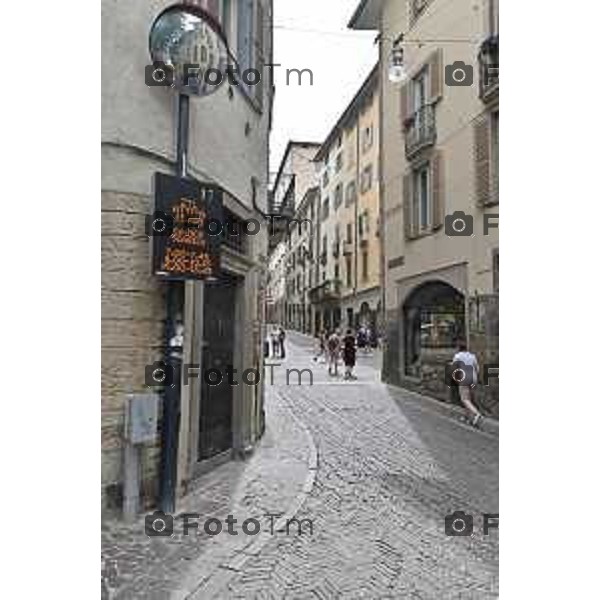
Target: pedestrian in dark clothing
column 361, row 338
column 372, row 338
column 349, row 354
column 275, row 343
column 281, row 343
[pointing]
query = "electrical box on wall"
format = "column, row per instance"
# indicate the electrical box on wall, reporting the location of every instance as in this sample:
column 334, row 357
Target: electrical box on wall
column 141, row 418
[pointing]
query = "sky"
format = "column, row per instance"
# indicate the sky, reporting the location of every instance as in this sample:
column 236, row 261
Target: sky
column 312, row 34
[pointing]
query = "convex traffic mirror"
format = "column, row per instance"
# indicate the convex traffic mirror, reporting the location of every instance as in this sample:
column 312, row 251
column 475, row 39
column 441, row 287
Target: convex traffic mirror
column 188, row 50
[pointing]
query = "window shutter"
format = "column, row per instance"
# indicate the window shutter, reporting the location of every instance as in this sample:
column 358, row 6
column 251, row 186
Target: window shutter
column 481, row 154
column 436, row 75
column 259, row 51
column 405, row 111
column 406, row 202
column 437, row 190
column 244, row 45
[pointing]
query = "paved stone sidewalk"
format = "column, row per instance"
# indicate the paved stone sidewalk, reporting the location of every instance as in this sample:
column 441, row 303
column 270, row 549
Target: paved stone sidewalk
column 390, row 469
column 273, row 480
column 376, row 470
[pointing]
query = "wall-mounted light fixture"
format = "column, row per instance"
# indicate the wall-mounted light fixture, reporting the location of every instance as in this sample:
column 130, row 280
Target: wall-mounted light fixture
column 396, row 70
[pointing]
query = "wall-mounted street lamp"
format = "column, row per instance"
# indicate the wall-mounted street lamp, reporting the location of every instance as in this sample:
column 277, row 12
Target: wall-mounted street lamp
column 396, row 69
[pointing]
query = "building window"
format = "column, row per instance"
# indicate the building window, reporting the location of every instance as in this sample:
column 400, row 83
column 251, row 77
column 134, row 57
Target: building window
column 495, row 153
column 339, row 196
column 336, row 271
column 366, row 180
column 349, row 233
column 363, row 223
column 420, row 87
column 496, row 270
column 348, row 271
column 324, row 249
column 250, row 44
column 365, row 265
column 367, row 140
column 339, row 162
column 326, row 177
column 422, row 209
column 350, row 193
column 325, row 209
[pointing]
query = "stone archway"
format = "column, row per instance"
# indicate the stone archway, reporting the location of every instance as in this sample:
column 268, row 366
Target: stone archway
column 433, row 322
column 364, row 315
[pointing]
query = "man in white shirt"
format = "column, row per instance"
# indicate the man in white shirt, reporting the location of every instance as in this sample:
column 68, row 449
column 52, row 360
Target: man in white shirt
column 466, row 378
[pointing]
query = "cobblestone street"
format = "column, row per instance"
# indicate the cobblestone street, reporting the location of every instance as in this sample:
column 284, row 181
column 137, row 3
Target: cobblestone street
column 375, row 469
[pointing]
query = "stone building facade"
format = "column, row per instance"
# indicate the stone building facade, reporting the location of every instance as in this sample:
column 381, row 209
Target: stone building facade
column 301, row 273
column 439, row 158
column 348, row 290
column 276, row 284
column 296, row 175
column 222, row 321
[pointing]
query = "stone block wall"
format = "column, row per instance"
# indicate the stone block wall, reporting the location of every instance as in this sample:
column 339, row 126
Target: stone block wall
column 132, row 332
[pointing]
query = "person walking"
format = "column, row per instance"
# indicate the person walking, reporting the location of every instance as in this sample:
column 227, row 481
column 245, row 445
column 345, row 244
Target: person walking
column 281, row 342
column 320, row 346
column 333, row 349
column 275, row 343
column 361, row 338
column 349, row 354
column 465, row 373
column 371, row 340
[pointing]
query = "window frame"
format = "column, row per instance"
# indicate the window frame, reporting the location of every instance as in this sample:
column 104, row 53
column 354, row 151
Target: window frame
column 325, row 208
column 350, row 198
column 366, row 178
column 349, row 271
column 365, row 265
column 249, row 41
column 494, row 154
column 417, row 198
column 338, row 196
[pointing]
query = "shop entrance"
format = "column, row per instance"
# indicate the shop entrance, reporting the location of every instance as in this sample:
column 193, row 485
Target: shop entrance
column 216, row 401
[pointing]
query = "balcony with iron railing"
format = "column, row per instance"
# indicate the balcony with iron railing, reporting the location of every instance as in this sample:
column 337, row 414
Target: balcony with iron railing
column 421, row 130
column 329, row 290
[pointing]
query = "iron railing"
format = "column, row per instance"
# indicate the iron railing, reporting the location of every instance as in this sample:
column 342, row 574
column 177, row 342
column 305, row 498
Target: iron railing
column 421, row 131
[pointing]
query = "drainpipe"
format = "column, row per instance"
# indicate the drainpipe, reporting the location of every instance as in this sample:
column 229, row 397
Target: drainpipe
column 491, row 17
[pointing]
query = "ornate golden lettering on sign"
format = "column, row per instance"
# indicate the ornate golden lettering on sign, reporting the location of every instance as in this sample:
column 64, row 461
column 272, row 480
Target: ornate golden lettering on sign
column 187, row 249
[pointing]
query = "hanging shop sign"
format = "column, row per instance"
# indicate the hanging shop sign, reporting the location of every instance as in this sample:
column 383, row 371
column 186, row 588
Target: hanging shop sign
column 186, row 228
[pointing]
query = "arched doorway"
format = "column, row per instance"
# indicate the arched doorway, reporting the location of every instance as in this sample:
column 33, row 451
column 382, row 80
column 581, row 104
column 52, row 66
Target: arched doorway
column 434, row 321
column 365, row 317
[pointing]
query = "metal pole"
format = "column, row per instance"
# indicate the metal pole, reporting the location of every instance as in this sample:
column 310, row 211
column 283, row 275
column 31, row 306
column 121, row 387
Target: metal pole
column 183, row 128
column 172, row 393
